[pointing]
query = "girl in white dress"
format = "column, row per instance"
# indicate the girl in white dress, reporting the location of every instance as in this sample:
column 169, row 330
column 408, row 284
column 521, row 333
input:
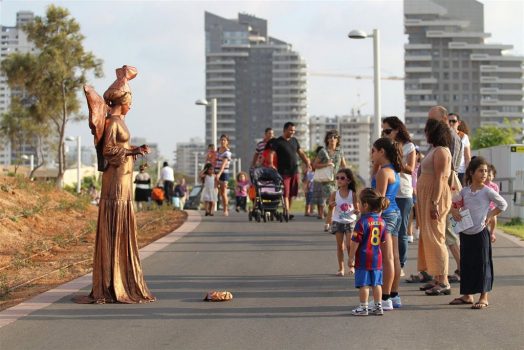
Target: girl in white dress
column 343, row 211
column 209, row 192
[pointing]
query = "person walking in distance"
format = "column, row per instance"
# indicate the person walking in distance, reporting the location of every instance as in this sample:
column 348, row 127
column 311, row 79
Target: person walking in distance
column 222, row 170
column 167, row 176
column 261, row 146
column 365, row 254
column 287, row 148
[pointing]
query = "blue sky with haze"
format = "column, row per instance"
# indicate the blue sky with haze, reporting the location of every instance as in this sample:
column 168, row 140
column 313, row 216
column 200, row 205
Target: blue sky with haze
column 165, row 41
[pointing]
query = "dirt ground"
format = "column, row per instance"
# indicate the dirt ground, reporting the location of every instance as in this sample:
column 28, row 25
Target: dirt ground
column 47, row 236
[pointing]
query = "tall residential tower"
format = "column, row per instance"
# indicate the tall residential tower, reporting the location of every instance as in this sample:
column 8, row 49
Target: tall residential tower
column 258, row 81
column 447, row 62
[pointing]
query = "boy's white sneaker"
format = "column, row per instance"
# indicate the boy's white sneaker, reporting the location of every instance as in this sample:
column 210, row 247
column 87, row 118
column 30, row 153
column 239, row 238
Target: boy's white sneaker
column 387, row 305
column 377, row 310
column 397, row 303
column 410, row 239
column 362, row 310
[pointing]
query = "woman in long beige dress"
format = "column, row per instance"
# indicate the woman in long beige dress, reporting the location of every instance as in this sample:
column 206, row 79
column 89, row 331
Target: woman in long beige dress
column 117, row 273
column 433, row 205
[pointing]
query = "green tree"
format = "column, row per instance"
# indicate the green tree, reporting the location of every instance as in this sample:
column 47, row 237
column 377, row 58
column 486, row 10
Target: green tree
column 54, row 75
column 488, row 136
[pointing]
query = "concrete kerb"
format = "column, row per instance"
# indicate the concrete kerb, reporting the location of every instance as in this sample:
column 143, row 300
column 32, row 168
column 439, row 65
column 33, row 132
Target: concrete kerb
column 47, row 298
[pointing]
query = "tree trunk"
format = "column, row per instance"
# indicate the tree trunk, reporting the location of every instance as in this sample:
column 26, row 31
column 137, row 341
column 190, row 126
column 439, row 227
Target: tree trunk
column 61, row 150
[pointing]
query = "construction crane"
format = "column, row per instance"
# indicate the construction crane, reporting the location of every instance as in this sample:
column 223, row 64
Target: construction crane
column 350, row 76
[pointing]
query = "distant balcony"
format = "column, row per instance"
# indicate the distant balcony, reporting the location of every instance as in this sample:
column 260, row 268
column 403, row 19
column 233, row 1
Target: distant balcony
column 415, row 58
column 421, row 103
column 407, row 91
column 418, row 69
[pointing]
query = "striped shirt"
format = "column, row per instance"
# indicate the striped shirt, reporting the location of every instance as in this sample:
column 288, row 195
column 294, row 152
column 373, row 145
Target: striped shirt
column 370, row 231
column 220, row 159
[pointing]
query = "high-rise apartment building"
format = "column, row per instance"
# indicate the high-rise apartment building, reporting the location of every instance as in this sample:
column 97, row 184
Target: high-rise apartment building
column 258, row 81
column 190, row 156
column 447, row 62
column 355, row 139
column 12, row 39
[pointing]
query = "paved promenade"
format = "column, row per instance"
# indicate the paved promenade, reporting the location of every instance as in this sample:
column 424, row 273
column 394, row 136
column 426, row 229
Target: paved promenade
column 285, row 297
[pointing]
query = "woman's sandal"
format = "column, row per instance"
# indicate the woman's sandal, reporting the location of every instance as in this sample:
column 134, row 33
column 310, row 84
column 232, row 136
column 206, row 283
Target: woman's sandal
column 340, row 273
column 439, row 289
column 428, row 286
column 417, row 279
column 460, row 301
column 479, row 306
column 454, row 278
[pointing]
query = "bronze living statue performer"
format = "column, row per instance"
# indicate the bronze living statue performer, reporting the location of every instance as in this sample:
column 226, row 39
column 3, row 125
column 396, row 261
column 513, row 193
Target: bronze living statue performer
column 117, row 273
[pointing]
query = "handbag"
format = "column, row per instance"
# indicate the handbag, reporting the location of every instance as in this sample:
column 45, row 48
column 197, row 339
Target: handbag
column 454, row 182
column 325, row 174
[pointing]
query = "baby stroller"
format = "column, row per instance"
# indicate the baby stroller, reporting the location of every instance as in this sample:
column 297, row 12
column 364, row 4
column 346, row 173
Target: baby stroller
column 268, row 201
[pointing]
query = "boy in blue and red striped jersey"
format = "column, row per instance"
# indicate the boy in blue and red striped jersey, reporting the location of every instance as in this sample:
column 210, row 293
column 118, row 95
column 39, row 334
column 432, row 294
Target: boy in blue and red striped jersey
column 365, row 256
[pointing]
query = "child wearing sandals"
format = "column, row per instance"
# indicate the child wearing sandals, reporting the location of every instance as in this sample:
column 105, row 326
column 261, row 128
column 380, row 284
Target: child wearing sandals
column 343, row 211
column 365, row 255
column 476, row 264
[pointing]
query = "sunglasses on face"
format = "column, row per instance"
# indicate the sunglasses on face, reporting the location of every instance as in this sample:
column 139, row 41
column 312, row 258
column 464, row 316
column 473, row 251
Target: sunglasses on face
column 340, row 177
column 453, row 121
column 387, row 131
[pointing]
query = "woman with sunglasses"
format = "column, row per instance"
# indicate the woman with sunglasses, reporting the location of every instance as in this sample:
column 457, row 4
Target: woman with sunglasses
column 329, row 156
column 386, row 155
column 394, row 128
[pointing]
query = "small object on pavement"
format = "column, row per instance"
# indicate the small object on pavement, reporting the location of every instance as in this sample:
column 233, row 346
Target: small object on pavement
column 216, row 295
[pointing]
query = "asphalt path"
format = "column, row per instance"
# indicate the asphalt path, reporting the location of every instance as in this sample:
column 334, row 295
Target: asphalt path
column 286, row 296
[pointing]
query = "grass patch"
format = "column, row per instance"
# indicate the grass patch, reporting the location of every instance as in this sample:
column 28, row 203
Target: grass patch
column 514, row 227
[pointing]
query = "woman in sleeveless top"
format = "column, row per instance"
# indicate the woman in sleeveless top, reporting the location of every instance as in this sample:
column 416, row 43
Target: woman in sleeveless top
column 222, row 171
column 329, row 156
column 433, row 205
column 395, row 129
column 387, row 157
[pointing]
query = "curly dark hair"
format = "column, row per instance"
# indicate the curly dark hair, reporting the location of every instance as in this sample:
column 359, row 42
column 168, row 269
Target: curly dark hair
column 330, row 134
column 349, row 174
column 393, row 151
column 437, row 133
column 376, row 203
column 474, row 164
column 397, row 124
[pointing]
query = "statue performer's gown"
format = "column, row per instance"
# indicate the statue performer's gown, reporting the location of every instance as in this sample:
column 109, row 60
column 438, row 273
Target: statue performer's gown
column 117, row 273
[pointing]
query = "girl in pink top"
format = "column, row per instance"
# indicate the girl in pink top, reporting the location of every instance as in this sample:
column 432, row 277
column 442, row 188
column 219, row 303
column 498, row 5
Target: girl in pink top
column 492, row 172
column 241, row 191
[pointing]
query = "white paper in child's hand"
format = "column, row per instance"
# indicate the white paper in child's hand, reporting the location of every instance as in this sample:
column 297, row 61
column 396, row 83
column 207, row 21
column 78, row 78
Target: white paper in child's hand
column 464, row 224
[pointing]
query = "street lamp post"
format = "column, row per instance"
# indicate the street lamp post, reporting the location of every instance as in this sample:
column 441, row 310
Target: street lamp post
column 31, row 158
column 78, row 161
column 359, row 34
column 196, row 168
column 213, row 104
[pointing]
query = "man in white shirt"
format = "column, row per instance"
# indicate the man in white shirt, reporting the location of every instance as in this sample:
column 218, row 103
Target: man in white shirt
column 167, row 175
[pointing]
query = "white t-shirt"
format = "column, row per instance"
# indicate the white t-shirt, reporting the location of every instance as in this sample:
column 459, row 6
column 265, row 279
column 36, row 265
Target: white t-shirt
column 478, row 204
column 344, row 210
column 406, row 186
column 167, row 174
column 465, row 143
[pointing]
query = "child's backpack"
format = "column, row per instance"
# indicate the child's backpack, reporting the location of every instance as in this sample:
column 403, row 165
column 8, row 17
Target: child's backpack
column 157, row 194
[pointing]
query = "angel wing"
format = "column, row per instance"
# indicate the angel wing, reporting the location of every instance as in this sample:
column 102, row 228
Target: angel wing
column 97, row 118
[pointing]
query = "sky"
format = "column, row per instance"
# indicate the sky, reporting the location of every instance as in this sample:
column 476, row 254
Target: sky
column 165, row 41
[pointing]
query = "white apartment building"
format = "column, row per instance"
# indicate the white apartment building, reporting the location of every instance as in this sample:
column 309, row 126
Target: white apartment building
column 259, row 82
column 448, row 63
column 355, row 139
column 190, row 156
column 12, row 39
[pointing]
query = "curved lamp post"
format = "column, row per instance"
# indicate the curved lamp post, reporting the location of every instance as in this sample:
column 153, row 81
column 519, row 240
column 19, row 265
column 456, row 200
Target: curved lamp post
column 78, row 160
column 213, row 104
column 359, row 34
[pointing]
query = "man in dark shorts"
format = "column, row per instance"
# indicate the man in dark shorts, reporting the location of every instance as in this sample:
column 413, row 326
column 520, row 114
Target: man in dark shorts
column 287, row 148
